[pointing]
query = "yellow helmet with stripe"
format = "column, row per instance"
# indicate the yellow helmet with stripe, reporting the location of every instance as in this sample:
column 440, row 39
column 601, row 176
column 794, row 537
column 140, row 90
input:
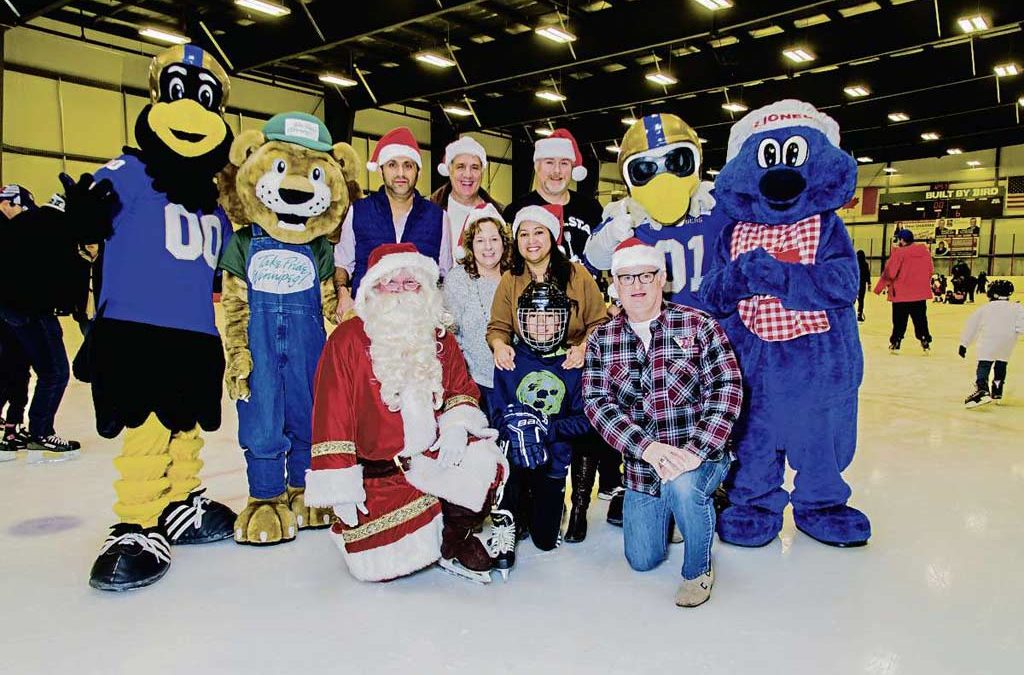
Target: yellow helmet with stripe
column 189, row 55
column 660, row 161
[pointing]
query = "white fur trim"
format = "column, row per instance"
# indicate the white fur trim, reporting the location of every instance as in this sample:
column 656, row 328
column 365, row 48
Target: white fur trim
column 638, row 256
column 463, row 146
column 392, row 150
column 327, row 487
column 467, row 416
column 537, row 214
column 412, row 552
column 554, row 148
column 424, row 268
column 466, row 484
column 781, row 115
column 579, row 173
column 418, row 422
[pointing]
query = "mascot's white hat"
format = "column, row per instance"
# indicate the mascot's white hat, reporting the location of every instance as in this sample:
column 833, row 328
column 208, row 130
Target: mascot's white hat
column 388, row 259
column 780, row 115
column 634, row 253
column 463, row 146
column 549, row 215
column 398, row 142
column 485, row 212
column 561, row 145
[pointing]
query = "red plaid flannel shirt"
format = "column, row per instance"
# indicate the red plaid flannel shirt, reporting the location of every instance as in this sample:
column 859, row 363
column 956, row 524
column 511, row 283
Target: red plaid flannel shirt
column 685, row 390
column 764, row 315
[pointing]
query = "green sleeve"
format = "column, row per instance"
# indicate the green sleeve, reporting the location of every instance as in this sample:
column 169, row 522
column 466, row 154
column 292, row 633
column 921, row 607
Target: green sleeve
column 323, row 252
column 233, row 257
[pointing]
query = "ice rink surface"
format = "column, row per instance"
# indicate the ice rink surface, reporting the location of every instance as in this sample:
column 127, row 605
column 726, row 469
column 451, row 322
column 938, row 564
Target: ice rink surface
column 937, row 590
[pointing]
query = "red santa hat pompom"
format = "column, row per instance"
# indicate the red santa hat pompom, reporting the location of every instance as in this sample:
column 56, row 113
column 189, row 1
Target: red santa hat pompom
column 463, row 146
column 561, row 145
column 781, row 115
column 549, row 215
column 634, row 253
column 398, row 142
column 388, row 259
column 487, row 211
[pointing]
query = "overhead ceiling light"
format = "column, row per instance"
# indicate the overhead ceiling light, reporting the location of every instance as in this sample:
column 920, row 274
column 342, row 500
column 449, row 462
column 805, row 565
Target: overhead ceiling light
column 898, row 117
column 340, row 80
column 1007, row 70
column 889, row 169
column 614, row 147
column 863, row 8
column 543, row 131
column 972, row 24
column 929, row 136
column 264, row 7
column 161, row 35
column 733, row 106
column 857, row 91
column 1020, row 101
column 973, row 163
column 715, row 5
column 864, row 159
column 457, row 110
column 629, row 121
column 664, row 79
column 954, row 151
column 713, row 172
column 434, row 59
column 549, row 95
column 766, row 31
column 798, row 55
column 556, row 34
column 811, row 21
column 723, row 42
column 702, row 140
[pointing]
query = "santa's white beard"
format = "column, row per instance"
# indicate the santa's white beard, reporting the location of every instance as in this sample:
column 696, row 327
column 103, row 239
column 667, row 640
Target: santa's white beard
column 402, row 328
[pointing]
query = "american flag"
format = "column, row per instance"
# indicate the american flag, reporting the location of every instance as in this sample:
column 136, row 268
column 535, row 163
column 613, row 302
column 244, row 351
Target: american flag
column 1015, row 193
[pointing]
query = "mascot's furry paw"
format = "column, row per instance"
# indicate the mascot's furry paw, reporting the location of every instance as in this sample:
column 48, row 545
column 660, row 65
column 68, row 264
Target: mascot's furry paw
column 236, row 374
column 265, row 522
column 842, row 526
column 748, row 526
column 311, row 517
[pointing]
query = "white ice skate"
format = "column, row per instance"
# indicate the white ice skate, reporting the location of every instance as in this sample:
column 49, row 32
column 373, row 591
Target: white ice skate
column 502, row 542
column 456, row 569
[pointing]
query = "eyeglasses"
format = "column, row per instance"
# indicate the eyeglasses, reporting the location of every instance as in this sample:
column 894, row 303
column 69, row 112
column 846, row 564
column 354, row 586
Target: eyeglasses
column 643, row 277
column 407, row 285
column 679, row 162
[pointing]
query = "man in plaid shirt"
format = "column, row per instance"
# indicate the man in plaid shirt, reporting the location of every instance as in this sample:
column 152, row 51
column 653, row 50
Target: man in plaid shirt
column 662, row 386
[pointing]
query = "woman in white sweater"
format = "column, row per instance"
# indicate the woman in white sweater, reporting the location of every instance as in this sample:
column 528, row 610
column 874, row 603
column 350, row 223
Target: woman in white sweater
column 996, row 326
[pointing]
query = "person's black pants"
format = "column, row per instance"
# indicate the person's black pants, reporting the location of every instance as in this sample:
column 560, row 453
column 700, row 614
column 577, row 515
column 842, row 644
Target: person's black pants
column 42, row 340
column 860, row 299
column 985, row 367
column 917, row 312
column 14, row 376
column 534, row 497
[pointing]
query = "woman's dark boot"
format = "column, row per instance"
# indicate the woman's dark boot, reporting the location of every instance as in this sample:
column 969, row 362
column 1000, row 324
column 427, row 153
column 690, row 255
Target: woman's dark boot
column 583, row 471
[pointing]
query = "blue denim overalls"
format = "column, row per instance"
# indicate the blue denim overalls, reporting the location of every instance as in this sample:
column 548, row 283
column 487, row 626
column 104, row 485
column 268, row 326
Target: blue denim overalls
column 286, row 336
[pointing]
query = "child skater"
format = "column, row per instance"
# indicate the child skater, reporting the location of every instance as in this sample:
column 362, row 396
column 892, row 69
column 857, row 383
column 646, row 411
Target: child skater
column 996, row 327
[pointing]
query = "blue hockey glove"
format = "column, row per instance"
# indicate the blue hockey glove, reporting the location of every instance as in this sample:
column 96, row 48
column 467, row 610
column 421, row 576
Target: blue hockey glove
column 524, row 436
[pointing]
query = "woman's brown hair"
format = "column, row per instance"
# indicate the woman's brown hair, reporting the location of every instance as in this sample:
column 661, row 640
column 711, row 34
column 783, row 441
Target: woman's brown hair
column 469, row 262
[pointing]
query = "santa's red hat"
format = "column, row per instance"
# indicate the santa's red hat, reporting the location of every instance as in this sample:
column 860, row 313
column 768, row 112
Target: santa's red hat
column 398, row 142
column 634, row 253
column 463, row 146
column 487, row 211
column 561, row 145
column 388, row 259
column 549, row 215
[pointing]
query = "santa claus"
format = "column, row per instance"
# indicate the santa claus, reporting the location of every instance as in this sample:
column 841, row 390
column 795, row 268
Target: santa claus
column 401, row 449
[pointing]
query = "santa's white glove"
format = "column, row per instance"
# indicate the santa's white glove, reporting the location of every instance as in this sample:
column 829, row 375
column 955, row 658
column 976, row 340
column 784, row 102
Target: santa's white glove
column 702, row 200
column 451, row 445
column 347, row 512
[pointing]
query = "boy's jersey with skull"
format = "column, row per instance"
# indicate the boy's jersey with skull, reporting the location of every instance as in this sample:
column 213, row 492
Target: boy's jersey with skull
column 159, row 264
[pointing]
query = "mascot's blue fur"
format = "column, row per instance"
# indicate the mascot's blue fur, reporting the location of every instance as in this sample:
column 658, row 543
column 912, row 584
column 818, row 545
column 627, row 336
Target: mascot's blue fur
column 785, row 166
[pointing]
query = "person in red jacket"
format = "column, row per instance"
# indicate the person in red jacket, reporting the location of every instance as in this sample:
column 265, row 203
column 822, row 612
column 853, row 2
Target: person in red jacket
column 907, row 277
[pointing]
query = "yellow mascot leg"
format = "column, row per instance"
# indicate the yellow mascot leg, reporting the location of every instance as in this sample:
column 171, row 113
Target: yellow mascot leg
column 144, row 488
column 185, row 463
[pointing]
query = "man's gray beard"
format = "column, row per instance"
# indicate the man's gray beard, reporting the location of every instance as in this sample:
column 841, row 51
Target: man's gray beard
column 402, row 328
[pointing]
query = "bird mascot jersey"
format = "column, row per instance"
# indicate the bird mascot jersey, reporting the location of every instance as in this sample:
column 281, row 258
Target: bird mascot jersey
column 660, row 160
column 291, row 192
column 155, row 352
column 783, row 282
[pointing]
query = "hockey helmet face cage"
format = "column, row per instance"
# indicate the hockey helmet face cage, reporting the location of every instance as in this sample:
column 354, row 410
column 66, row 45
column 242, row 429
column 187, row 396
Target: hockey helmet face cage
column 660, row 162
column 1000, row 289
column 543, row 314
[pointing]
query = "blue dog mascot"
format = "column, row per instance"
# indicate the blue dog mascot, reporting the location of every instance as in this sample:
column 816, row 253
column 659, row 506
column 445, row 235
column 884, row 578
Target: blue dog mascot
column 782, row 282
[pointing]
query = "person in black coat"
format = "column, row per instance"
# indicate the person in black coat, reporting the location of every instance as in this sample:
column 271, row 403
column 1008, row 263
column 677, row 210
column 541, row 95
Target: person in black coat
column 865, row 282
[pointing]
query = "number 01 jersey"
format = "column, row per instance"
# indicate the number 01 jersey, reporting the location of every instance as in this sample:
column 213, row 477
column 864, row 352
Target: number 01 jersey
column 159, row 264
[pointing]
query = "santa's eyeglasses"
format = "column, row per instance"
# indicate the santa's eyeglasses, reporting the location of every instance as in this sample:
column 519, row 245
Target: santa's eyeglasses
column 395, row 285
column 643, row 277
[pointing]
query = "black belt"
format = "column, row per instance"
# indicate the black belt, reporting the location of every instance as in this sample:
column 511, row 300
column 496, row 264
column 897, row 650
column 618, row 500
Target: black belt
column 380, row 468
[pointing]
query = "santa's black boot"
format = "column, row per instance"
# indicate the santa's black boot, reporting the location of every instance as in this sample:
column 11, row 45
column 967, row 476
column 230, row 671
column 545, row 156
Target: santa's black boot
column 197, row 520
column 583, row 470
column 462, row 553
column 503, row 541
column 132, row 557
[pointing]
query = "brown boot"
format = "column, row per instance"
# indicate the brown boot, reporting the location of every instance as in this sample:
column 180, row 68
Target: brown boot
column 462, row 552
column 694, row 592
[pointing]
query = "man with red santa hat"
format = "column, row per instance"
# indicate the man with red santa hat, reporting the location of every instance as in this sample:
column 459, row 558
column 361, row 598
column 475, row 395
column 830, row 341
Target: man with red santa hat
column 401, row 449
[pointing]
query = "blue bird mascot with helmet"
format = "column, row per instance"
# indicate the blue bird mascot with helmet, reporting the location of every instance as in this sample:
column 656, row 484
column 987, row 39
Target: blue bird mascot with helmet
column 783, row 282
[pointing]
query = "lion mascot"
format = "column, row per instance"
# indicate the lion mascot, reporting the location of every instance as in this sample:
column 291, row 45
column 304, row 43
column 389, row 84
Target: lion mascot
column 290, row 192
column 783, row 283
column 155, row 356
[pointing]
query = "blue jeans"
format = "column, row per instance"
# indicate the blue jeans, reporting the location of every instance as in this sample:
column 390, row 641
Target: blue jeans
column 42, row 342
column 688, row 498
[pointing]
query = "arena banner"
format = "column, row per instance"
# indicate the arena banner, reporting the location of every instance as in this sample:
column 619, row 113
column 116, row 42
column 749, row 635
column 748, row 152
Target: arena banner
column 863, row 208
column 946, row 237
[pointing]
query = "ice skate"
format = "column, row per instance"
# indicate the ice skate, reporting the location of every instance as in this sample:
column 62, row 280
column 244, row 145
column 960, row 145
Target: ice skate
column 7, row 453
column 979, row 397
column 997, row 390
column 51, row 448
column 453, row 567
column 502, row 542
column 462, row 552
column 926, row 345
column 16, row 437
column 894, row 346
column 615, row 508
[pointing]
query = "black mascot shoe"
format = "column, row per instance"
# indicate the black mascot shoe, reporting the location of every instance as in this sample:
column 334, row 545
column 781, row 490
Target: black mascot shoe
column 197, row 520
column 131, row 557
